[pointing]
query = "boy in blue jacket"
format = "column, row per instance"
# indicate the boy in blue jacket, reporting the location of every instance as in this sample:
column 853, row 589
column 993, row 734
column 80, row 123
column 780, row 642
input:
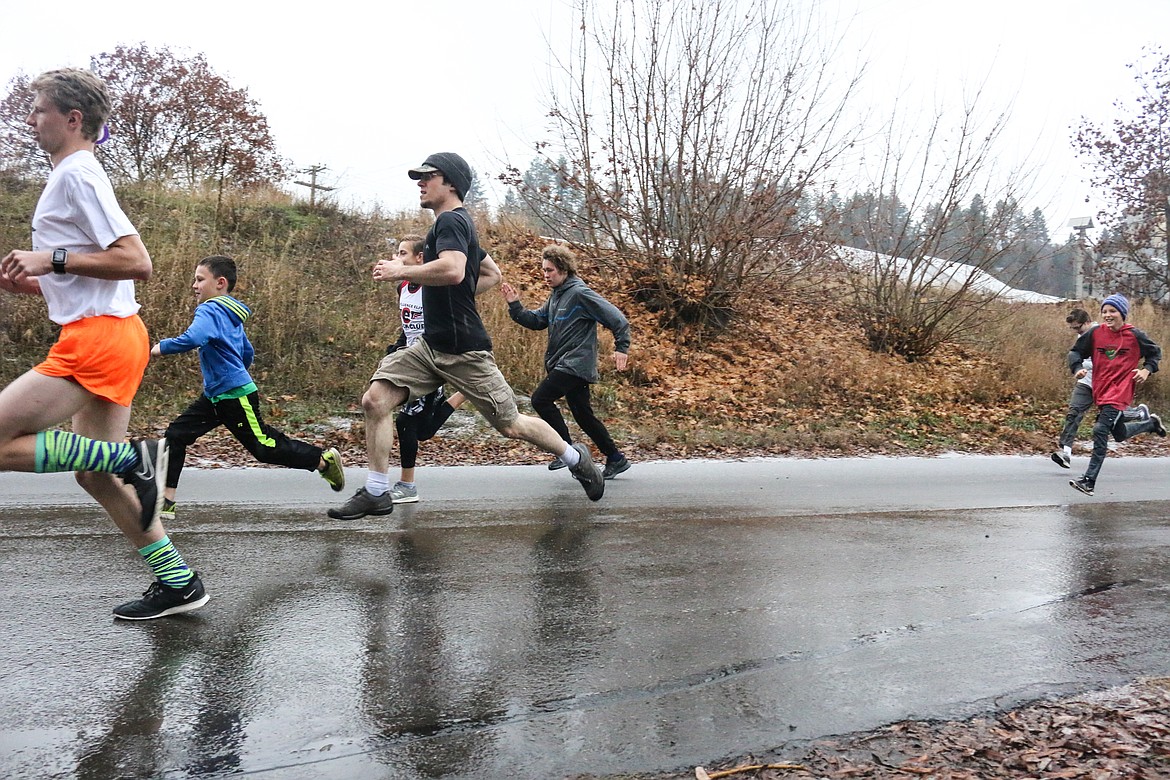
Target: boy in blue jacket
column 230, row 397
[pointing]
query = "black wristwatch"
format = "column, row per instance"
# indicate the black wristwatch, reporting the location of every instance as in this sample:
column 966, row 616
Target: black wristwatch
column 59, row 258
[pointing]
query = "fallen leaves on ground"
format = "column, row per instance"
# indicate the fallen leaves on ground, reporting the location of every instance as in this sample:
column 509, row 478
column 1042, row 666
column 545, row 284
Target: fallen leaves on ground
column 1121, row 733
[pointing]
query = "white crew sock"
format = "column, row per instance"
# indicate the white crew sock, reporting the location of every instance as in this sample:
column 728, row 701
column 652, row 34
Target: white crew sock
column 570, row 457
column 377, row 484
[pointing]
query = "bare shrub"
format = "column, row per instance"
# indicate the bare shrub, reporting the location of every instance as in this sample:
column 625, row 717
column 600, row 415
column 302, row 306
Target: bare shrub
column 926, row 287
column 684, row 137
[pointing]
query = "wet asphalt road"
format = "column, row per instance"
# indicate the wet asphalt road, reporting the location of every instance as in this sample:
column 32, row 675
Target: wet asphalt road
column 506, row 627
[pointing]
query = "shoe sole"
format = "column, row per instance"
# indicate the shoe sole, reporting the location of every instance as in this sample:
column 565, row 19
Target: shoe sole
column 406, row 500
column 1059, row 461
column 1080, row 487
column 598, row 485
column 178, row 609
column 1161, row 429
column 161, row 461
column 340, row 484
column 557, row 467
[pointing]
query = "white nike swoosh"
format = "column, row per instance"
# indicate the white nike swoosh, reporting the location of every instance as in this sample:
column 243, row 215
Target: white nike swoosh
column 146, row 470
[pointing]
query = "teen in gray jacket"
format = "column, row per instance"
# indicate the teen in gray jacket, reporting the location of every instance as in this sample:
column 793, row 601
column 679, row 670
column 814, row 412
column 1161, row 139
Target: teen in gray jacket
column 571, row 315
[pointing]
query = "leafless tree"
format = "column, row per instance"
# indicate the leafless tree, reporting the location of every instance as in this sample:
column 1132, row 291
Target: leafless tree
column 932, row 283
column 690, row 134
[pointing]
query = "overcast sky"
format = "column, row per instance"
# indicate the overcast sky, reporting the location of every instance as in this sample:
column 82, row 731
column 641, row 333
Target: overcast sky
column 370, row 89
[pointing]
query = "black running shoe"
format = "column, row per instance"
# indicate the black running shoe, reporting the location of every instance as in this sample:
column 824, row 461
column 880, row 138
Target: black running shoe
column 1159, row 428
column 1083, row 485
column 1062, row 460
column 161, row 600
column 613, row 468
column 588, row 474
column 361, row 504
column 148, row 477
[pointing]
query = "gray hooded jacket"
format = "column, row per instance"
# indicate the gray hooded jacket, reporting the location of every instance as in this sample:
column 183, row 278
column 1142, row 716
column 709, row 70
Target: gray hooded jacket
column 571, row 314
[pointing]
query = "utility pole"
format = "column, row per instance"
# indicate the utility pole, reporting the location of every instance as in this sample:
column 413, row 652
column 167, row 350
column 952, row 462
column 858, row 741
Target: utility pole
column 1081, row 225
column 312, row 184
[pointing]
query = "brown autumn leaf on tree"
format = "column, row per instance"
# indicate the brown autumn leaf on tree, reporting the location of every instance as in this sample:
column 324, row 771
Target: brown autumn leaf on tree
column 174, row 121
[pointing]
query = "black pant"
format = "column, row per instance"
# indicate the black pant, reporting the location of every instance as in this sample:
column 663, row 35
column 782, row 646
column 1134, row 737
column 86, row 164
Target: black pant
column 420, row 426
column 242, row 417
column 575, row 391
column 1111, row 420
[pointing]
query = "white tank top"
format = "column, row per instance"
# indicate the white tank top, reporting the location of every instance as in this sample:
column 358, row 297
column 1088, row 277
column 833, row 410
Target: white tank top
column 410, row 310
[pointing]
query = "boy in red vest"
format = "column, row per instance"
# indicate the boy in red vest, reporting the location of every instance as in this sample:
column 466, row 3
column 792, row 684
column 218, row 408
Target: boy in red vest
column 1123, row 357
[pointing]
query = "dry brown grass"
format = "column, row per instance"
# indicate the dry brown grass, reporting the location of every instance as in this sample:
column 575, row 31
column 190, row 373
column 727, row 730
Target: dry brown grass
column 791, row 374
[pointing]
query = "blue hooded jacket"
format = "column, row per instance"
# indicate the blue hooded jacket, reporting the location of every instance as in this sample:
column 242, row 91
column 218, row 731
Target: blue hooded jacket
column 225, row 354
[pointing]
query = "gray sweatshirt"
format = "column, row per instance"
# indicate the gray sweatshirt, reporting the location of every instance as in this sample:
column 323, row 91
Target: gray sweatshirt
column 571, row 315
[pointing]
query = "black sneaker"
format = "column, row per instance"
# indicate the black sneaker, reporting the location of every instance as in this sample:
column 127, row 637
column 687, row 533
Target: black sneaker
column 1062, row 460
column 1159, row 428
column 361, row 504
column 555, row 464
column 160, row 600
column 613, row 468
column 1083, row 485
column 148, row 476
column 588, row 474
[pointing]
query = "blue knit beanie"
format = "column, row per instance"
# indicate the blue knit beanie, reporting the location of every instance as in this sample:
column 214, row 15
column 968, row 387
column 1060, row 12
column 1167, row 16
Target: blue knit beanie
column 1117, row 301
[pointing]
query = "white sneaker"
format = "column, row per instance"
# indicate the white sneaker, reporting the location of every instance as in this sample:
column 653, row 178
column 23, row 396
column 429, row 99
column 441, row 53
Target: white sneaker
column 403, row 494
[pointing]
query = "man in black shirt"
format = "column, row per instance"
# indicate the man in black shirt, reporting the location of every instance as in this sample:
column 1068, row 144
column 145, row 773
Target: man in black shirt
column 455, row 347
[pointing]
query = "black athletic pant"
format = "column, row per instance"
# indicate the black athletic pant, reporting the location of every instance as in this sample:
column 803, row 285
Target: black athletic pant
column 242, row 417
column 420, row 426
column 575, row 390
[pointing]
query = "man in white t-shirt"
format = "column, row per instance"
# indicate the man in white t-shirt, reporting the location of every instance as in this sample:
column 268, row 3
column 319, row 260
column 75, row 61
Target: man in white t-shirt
column 84, row 260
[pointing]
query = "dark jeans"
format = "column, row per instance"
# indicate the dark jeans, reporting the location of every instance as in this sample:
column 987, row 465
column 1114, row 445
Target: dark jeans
column 575, row 391
column 241, row 416
column 1111, row 421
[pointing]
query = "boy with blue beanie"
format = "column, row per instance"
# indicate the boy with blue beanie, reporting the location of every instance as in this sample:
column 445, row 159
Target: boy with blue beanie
column 230, row 397
column 1116, row 349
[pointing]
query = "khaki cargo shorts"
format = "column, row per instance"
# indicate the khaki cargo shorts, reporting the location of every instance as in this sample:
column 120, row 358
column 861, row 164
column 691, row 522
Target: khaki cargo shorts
column 420, row 370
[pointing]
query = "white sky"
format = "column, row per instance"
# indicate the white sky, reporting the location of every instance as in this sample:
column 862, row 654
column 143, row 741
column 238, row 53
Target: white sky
column 369, row 89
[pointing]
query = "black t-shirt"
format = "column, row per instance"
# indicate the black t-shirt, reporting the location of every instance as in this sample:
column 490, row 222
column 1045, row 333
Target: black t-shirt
column 449, row 315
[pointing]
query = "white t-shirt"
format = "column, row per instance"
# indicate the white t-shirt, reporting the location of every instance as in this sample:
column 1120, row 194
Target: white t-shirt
column 78, row 211
column 1087, row 364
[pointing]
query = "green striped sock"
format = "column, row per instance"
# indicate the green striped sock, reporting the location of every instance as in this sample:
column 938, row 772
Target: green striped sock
column 166, row 563
column 65, row 451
